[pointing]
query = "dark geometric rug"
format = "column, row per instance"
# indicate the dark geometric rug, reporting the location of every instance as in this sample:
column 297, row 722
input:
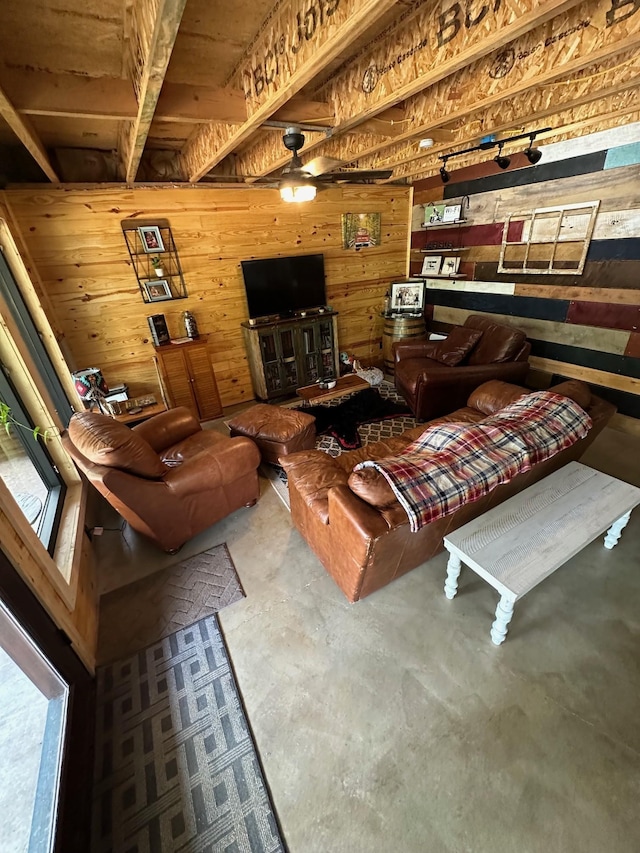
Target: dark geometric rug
column 368, row 433
column 176, row 768
column 342, row 420
column 133, row 616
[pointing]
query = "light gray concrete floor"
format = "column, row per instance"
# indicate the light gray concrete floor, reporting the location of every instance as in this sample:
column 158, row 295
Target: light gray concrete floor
column 395, row 724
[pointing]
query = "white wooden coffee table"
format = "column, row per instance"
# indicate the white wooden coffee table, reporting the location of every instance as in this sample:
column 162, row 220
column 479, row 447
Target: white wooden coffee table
column 522, row 541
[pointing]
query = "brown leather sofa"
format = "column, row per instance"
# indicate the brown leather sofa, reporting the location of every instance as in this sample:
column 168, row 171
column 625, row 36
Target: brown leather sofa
column 364, row 547
column 167, row 477
column 436, row 377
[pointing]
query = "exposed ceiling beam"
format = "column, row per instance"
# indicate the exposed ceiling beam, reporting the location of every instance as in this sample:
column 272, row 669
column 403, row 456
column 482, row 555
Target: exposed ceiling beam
column 27, row 135
column 155, row 25
column 292, row 49
column 589, row 118
column 420, row 51
column 112, row 99
column 529, row 110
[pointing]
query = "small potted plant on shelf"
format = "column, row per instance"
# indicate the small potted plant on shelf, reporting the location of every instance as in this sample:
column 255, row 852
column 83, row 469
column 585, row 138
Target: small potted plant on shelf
column 156, row 263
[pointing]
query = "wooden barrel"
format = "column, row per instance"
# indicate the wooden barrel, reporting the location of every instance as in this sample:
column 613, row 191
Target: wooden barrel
column 399, row 329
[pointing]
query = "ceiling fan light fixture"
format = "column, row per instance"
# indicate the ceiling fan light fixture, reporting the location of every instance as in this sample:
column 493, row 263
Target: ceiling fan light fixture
column 297, row 192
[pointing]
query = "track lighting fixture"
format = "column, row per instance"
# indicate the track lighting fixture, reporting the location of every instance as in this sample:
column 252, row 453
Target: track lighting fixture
column 532, row 154
column 502, row 161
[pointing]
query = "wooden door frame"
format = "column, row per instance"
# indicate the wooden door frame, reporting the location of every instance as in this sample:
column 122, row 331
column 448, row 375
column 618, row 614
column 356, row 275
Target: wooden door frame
column 73, row 828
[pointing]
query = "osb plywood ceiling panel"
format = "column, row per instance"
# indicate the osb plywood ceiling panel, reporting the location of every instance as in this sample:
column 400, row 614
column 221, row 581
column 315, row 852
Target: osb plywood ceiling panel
column 201, row 79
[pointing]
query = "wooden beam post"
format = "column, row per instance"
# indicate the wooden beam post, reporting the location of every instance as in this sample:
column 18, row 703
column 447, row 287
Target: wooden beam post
column 155, row 27
column 27, row 135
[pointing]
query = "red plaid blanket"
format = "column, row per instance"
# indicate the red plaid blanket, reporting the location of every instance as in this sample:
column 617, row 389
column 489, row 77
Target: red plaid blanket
column 453, row 463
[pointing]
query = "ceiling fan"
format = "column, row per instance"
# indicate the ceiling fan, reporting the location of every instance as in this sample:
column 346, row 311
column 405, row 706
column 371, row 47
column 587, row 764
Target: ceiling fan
column 300, row 182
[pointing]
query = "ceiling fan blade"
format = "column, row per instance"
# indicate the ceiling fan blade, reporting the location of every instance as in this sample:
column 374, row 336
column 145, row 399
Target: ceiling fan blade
column 356, row 177
column 320, row 165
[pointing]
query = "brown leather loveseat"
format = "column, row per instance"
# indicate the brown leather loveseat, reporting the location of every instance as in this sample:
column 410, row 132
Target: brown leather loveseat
column 167, row 477
column 436, row 377
column 364, row 546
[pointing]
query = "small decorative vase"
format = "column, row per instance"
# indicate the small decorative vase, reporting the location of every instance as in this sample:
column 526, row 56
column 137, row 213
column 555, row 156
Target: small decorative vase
column 159, row 271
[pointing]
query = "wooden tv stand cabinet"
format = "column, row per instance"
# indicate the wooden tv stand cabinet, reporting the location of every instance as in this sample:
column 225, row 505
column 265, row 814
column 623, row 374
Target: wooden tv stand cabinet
column 289, row 353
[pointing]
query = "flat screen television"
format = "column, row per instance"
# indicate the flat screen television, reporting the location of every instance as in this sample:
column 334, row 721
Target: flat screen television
column 284, row 286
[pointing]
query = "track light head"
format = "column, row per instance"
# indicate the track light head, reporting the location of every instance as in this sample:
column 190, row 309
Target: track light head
column 533, row 155
column 502, row 161
column 446, row 177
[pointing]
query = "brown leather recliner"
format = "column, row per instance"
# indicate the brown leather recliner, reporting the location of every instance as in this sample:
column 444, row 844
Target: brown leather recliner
column 436, row 377
column 167, row 477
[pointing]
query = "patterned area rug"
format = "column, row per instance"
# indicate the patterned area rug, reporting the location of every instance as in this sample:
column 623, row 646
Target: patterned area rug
column 148, row 609
column 368, row 433
column 176, row 768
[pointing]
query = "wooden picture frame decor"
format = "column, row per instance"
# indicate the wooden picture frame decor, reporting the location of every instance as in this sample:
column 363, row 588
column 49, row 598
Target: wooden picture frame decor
column 158, row 290
column 552, row 240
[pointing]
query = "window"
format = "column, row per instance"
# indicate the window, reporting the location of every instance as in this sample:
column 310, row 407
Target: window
column 29, row 470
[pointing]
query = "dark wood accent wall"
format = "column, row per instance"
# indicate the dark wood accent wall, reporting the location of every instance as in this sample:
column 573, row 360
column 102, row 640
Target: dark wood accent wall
column 584, row 326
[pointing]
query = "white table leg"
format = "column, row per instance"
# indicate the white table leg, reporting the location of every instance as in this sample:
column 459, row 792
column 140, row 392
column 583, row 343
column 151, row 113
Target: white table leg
column 615, row 531
column 453, row 572
column 504, row 612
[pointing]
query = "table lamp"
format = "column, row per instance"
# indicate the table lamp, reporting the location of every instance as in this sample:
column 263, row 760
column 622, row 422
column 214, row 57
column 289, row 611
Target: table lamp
column 91, row 387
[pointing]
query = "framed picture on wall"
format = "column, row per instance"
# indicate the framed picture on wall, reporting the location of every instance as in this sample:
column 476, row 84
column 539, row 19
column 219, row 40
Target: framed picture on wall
column 157, row 291
column 431, row 265
column 434, row 213
column 450, row 266
column 151, row 238
column 407, row 296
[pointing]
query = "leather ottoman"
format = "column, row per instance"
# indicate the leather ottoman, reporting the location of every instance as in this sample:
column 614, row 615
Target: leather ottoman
column 276, row 431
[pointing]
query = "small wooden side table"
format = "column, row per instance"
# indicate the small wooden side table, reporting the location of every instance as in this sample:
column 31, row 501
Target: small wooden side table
column 147, row 412
column 344, row 385
column 521, row 542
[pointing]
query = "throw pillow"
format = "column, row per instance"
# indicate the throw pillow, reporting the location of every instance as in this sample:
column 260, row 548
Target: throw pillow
column 499, row 344
column 575, row 390
column 458, row 344
column 371, row 486
column 104, row 441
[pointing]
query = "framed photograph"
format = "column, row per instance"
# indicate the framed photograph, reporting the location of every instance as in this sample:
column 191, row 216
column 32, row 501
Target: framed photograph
column 452, row 213
column 450, row 266
column 434, row 213
column 157, row 291
column 407, row 296
column 431, row 265
column 151, row 239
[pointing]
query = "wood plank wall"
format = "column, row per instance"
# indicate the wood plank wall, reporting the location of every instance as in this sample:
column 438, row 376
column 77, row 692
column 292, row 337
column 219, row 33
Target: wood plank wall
column 582, row 326
column 73, row 240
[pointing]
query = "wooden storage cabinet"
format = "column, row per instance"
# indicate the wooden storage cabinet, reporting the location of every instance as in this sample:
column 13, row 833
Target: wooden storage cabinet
column 188, row 378
column 288, row 354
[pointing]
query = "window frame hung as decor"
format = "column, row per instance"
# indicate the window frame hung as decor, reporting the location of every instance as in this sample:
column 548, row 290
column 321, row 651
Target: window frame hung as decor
column 555, row 240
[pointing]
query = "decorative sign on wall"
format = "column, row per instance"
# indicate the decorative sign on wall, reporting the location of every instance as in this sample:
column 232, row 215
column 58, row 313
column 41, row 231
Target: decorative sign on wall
column 360, row 230
column 434, row 213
